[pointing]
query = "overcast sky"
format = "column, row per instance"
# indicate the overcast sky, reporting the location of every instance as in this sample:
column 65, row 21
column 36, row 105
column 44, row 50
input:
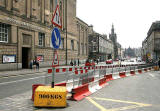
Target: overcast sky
column 131, row 18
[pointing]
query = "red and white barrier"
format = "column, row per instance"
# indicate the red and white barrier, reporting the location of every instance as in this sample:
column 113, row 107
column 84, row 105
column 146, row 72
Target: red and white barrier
column 80, row 91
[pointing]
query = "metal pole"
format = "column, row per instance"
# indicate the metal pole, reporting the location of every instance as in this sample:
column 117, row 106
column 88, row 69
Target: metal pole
column 53, row 71
column 66, row 28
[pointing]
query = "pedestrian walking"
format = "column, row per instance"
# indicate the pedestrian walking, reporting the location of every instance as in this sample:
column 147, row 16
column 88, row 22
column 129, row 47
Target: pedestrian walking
column 31, row 64
column 71, row 63
column 75, row 62
column 159, row 62
column 34, row 64
column 78, row 62
column 37, row 64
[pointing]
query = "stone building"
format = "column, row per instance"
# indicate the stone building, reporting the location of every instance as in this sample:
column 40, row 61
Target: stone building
column 99, row 46
column 25, row 33
column 113, row 38
column 151, row 44
column 82, row 40
column 119, row 51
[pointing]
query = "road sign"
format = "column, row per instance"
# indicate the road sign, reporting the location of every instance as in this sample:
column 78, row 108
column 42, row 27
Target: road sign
column 56, row 38
column 55, row 59
column 56, row 19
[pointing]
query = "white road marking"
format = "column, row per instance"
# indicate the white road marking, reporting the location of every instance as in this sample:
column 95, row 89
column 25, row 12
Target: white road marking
column 20, row 80
column 152, row 75
column 26, row 80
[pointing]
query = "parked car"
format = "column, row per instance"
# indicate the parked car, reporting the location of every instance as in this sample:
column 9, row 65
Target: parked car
column 109, row 61
column 116, row 59
column 132, row 60
column 90, row 63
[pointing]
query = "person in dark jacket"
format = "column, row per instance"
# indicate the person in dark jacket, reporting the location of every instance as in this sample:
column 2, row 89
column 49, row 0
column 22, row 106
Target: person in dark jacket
column 78, row 62
column 75, row 62
column 159, row 62
column 31, row 64
column 71, row 63
column 37, row 64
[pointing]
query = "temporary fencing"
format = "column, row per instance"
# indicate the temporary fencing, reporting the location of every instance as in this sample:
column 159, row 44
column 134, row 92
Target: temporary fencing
column 82, row 81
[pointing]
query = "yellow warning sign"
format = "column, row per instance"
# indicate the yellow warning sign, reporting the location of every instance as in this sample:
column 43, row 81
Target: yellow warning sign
column 45, row 96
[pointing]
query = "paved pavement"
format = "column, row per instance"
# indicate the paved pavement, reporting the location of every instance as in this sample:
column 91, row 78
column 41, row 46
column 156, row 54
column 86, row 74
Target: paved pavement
column 29, row 71
column 21, row 72
column 25, row 71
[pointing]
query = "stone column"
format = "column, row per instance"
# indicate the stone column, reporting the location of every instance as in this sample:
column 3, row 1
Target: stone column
column 28, row 8
column 9, row 4
column 19, row 36
column 13, row 34
column 43, row 11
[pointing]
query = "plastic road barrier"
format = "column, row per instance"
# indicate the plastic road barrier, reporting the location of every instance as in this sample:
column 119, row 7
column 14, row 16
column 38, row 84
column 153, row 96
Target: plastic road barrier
column 34, row 86
column 45, row 96
column 80, row 92
column 83, row 81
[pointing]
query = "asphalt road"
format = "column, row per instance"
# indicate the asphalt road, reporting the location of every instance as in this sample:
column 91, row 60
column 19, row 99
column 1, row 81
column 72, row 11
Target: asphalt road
column 134, row 93
column 10, row 86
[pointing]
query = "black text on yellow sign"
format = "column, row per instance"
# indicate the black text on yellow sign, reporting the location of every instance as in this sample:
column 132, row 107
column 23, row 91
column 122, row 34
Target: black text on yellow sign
column 47, row 96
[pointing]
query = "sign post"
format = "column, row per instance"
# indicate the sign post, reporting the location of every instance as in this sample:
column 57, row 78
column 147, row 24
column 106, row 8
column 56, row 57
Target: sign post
column 56, row 40
column 50, row 96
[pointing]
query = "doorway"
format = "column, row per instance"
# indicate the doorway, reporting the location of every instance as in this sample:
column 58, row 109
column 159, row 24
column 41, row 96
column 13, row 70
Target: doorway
column 25, row 57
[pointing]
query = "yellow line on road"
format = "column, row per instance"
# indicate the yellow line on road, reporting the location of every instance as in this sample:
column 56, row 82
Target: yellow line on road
column 125, row 108
column 120, row 101
column 96, row 104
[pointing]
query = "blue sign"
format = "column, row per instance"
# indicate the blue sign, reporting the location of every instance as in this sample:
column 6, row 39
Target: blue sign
column 56, row 38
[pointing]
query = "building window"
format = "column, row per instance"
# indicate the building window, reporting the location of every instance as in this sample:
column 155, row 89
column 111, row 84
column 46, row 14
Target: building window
column 4, row 32
column 41, row 39
column 62, row 43
column 72, row 45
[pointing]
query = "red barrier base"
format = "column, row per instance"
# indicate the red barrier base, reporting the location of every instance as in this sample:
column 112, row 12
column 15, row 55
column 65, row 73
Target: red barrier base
column 34, row 87
column 102, row 82
column 132, row 72
column 108, row 77
column 145, row 70
column 122, row 74
column 80, row 92
column 61, row 84
column 139, row 71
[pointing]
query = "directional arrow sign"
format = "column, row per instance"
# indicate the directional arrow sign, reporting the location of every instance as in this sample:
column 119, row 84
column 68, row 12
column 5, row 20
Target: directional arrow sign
column 56, row 19
column 56, row 38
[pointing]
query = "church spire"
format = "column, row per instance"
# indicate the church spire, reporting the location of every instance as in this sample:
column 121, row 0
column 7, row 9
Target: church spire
column 112, row 30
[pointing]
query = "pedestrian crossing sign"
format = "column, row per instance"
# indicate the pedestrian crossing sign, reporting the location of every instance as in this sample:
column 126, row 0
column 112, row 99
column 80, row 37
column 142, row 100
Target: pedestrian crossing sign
column 56, row 19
